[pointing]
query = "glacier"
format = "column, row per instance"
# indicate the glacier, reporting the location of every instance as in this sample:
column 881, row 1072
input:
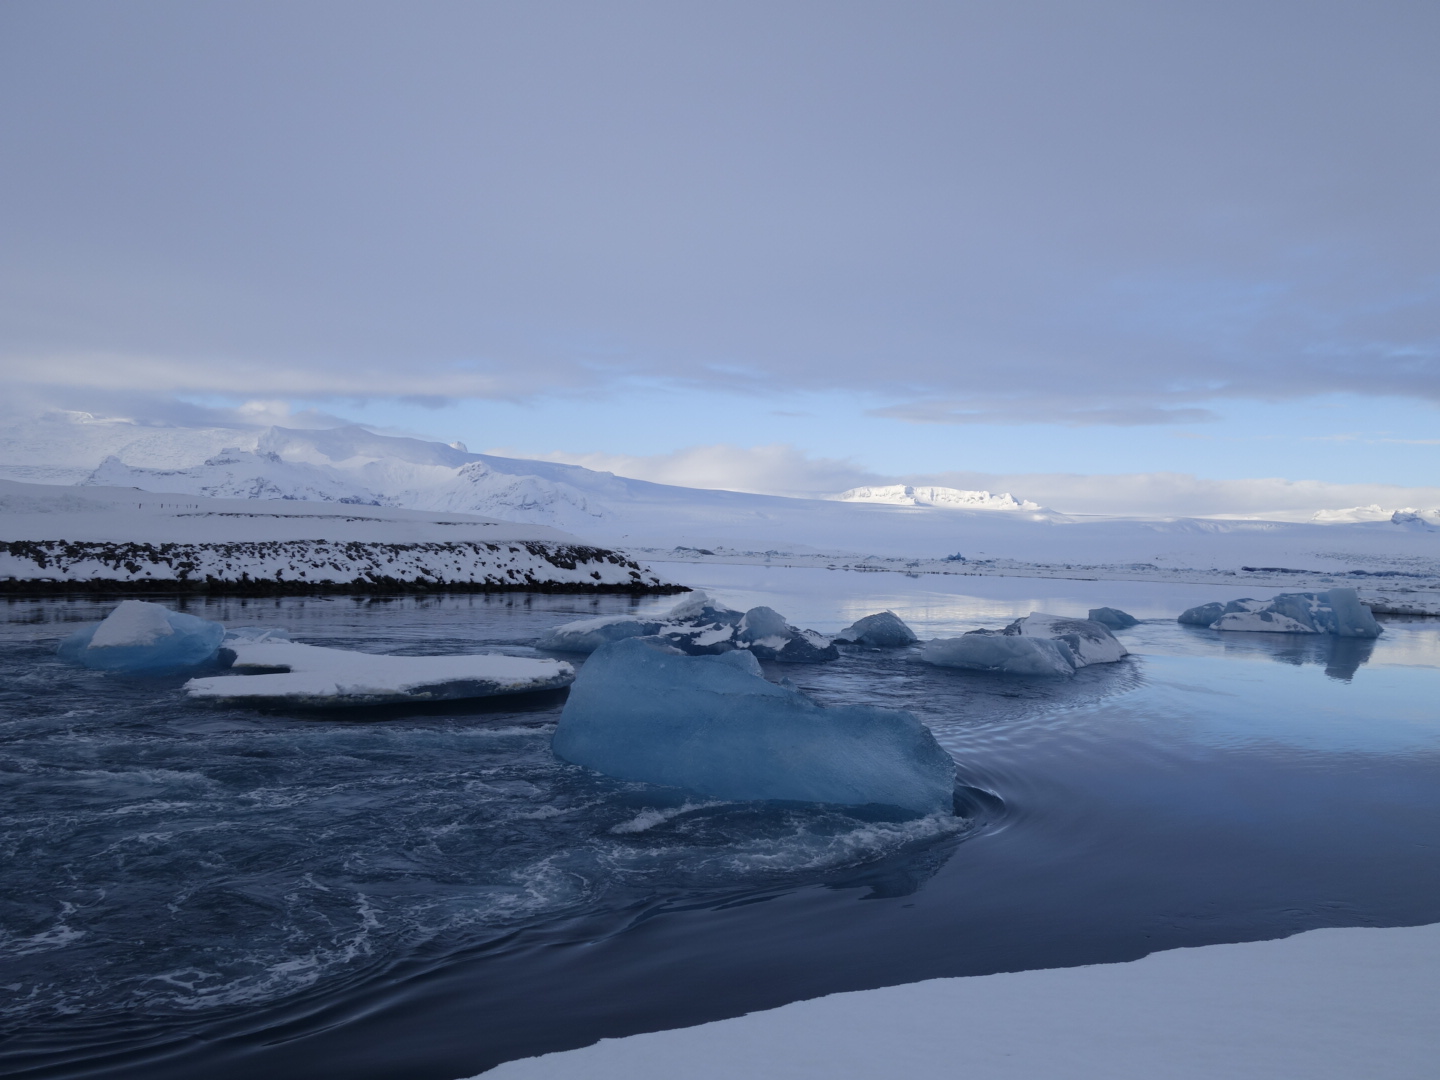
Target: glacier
column 713, row 725
column 1038, row 644
column 699, row 626
column 271, row 670
column 141, row 638
column 1336, row 611
column 883, row 630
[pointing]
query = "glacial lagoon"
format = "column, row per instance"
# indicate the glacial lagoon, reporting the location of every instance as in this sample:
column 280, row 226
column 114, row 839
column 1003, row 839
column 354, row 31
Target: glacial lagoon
column 426, row 891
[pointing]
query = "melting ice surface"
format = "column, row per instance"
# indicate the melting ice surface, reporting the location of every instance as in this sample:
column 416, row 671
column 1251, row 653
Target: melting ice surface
column 427, row 890
column 714, row 725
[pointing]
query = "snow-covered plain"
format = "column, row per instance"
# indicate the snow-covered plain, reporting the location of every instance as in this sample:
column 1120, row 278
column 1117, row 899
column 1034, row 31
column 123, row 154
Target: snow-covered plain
column 66, row 535
column 1334, row 1004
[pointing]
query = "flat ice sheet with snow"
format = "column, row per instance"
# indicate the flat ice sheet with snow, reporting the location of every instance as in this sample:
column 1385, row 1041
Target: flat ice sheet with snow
column 313, row 676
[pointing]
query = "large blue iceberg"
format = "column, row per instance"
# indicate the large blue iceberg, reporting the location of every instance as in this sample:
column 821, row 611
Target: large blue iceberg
column 1338, row 612
column 141, row 638
column 699, row 626
column 714, row 725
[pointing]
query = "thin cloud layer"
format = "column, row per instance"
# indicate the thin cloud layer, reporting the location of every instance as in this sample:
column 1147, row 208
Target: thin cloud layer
column 1119, row 213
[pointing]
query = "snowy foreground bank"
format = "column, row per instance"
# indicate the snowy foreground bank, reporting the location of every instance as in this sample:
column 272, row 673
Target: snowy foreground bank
column 1338, row 1004
column 61, row 538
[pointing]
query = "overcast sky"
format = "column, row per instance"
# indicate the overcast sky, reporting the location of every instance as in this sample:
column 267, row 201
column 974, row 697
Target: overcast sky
column 917, row 237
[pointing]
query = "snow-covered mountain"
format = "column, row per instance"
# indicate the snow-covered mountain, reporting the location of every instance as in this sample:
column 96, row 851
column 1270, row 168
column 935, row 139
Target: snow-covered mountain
column 352, row 465
column 943, row 497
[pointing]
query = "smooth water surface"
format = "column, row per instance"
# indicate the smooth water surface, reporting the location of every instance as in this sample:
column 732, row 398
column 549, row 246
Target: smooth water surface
column 424, row 892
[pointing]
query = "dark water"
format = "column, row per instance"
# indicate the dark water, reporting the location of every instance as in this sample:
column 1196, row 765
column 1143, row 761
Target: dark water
column 424, row 893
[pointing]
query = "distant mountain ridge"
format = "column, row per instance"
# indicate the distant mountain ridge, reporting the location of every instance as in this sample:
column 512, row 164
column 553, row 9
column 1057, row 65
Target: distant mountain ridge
column 944, row 497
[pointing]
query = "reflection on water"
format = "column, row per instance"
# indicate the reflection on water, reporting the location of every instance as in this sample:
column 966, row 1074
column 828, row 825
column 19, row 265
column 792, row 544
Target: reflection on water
column 218, row 891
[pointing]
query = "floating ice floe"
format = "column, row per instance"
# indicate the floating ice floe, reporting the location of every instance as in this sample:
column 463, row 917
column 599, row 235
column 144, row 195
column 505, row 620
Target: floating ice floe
column 1114, row 618
column 699, row 626
column 883, row 630
column 1038, row 644
column 1338, row 612
column 144, row 639
column 714, row 725
column 314, row 676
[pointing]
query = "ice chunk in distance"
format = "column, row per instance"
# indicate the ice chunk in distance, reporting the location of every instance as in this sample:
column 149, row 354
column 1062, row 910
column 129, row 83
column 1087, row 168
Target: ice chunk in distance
column 142, row 638
column 1089, row 642
column 1206, row 614
column 1338, row 612
column 587, row 635
column 1113, row 618
column 883, row 630
column 713, row 725
column 1004, row 654
column 766, row 634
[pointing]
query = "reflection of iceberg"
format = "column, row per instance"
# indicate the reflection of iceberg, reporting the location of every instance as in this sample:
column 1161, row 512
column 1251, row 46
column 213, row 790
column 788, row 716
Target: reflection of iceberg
column 713, row 725
column 1341, row 657
column 143, row 638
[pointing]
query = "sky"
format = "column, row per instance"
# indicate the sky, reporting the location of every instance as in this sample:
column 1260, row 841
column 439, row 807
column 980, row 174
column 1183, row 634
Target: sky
column 774, row 246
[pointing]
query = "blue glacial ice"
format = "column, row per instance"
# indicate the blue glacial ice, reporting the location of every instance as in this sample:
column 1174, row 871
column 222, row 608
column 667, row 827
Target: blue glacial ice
column 715, row 726
column 883, row 630
column 699, row 626
column 1337, row 611
column 144, row 639
column 1038, row 644
column 1114, row 618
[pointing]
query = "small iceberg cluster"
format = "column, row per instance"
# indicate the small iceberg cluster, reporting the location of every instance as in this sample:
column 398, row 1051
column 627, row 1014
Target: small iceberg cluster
column 699, row 626
column 278, row 671
column 140, row 638
column 1338, row 612
column 712, row 724
column 1038, row 644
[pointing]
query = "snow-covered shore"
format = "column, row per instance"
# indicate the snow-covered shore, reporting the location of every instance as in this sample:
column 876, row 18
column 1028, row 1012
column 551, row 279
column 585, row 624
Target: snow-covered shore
column 1324, row 1005
column 59, row 539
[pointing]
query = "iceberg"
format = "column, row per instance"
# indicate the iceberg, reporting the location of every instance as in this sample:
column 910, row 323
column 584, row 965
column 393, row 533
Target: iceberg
column 1205, row 614
column 279, row 671
column 1338, row 612
column 699, row 626
column 1038, row 644
column 715, row 726
column 883, row 630
column 1113, row 618
column 142, row 638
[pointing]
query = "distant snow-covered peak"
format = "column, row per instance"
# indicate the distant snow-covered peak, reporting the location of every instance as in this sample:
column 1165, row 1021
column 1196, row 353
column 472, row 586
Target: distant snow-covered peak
column 943, row 497
column 1405, row 515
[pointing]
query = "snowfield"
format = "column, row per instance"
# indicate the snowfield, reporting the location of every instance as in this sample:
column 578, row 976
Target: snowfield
column 1323, row 1005
column 58, row 538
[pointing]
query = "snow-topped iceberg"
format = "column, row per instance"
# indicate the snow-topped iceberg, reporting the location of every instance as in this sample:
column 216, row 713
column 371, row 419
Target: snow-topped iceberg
column 715, row 726
column 143, row 638
column 883, row 630
column 699, row 626
column 309, row 675
column 1038, row 644
column 1338, row 612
